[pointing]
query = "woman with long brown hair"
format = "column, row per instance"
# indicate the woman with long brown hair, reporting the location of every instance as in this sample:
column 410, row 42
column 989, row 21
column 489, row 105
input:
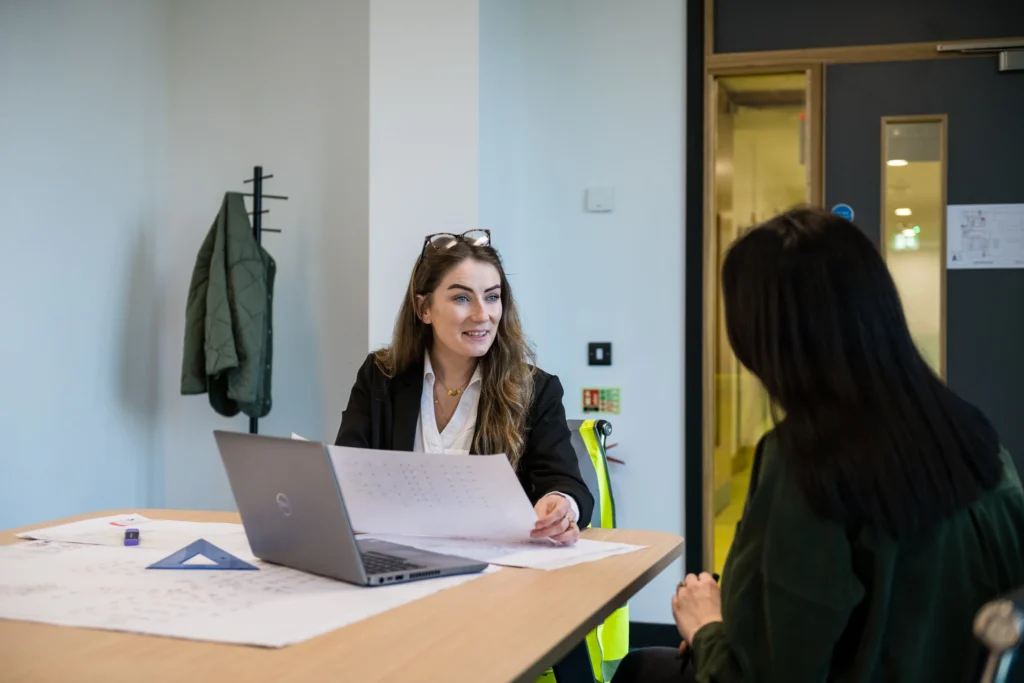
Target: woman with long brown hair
column 458, row 377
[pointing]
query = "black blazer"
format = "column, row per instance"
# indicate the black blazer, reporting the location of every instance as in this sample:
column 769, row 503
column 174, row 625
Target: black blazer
column 382, row 413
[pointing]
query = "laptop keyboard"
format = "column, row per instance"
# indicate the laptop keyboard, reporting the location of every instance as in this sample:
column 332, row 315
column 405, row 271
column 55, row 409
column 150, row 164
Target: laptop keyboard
column 380, row 563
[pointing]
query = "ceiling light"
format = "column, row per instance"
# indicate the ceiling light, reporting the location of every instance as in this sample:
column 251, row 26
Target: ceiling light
column 903, row 212
column 897, row 162
column 909, row 232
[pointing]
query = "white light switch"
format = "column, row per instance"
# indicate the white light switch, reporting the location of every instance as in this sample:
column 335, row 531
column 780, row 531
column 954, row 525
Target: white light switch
column 600, row 199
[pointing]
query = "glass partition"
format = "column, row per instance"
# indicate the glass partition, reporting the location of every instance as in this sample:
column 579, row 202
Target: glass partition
column 913, row 225
column 760, row 167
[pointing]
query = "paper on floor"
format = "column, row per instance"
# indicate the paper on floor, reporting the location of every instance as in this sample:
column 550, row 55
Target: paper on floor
column 535, row 555
column 428, row 494
column 97, row 586
column 163, row 534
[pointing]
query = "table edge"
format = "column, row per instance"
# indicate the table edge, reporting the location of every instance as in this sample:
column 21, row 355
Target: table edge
column 555, row 653
column 565, row 645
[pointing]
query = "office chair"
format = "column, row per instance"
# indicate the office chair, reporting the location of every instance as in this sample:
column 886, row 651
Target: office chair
column 596, row 659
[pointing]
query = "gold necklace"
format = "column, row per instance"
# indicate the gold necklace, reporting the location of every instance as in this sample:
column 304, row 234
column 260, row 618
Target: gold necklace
column 445, row 419
column 452, row 392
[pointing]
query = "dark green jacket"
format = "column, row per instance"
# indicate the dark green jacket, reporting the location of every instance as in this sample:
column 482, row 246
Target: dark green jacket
column 802, row 601
column 228, row 322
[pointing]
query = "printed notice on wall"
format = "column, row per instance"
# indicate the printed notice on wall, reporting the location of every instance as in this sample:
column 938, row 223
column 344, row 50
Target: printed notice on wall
column 985, row 236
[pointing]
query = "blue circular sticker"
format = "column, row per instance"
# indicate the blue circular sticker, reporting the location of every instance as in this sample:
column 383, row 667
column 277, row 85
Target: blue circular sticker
column 843, row 211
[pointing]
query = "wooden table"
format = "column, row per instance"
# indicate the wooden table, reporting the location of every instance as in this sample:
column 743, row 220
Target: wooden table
column 507, row 626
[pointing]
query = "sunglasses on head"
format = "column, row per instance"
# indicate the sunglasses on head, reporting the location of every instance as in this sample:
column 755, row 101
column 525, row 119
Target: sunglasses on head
column 447, row 240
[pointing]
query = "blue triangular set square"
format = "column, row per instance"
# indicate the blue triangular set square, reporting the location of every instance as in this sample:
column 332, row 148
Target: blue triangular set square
column 221, row 559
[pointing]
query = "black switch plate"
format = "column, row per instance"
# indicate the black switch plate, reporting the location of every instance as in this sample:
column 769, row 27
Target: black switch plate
column 599, row 353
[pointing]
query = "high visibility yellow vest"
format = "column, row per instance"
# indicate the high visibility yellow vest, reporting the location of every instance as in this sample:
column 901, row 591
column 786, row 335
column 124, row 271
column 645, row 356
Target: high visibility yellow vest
column 608, row 644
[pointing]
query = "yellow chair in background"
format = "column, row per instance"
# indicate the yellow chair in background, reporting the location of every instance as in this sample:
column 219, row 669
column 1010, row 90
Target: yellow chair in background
column 608, row 644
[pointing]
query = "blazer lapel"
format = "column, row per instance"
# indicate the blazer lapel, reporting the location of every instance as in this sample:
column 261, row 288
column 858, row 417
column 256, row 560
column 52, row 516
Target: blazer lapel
column 408, row 390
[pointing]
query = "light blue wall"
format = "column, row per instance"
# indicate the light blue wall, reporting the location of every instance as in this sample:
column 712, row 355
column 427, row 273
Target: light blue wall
column 122, row 123
column 298, row 107
column 81, row 139
column 581, row 93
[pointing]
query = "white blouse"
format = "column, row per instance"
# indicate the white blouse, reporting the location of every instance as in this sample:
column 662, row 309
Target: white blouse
column 457, row 436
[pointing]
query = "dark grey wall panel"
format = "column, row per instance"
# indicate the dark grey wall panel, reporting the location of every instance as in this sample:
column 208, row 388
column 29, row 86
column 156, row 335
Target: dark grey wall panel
column 753, row 25
column 985, row 308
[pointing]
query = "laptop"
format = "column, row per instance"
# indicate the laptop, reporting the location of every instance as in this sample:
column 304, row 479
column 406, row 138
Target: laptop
column 294, row 515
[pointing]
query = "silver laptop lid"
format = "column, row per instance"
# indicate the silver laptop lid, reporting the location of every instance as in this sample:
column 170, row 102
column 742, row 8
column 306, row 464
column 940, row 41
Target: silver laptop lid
column 290, row 504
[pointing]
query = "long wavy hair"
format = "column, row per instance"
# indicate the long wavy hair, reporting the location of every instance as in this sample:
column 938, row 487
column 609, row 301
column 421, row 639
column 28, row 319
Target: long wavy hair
column 507, row 367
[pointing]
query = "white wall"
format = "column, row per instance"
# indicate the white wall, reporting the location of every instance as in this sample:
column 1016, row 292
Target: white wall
column 424, row 151
column 81, row 185
column 504, row 130
column 581, row 93
column 125, row 124
column 284, row 85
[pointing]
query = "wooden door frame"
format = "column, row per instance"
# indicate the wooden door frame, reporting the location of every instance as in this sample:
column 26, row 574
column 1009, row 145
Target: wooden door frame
column 814, row 75
column 700, row 15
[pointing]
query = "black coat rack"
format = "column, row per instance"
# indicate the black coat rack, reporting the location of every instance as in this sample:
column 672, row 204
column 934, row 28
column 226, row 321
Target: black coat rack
column 258, row 229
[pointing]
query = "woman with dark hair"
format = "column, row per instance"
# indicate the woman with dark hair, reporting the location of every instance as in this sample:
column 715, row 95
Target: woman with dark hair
column 458, row 378
column 883, row 511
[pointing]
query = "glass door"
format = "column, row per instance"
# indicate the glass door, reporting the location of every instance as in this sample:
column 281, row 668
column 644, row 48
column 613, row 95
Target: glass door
column 762, row 162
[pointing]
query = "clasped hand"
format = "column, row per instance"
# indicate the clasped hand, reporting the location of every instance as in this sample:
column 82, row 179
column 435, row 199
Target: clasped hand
column 697, row 603
column 554, row 520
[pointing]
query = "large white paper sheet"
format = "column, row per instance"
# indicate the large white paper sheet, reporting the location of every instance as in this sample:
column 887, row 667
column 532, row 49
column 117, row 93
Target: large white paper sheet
column 985, row 236
column 426, row 494
column 161, row 534
column 103, row 587
column 533, row 554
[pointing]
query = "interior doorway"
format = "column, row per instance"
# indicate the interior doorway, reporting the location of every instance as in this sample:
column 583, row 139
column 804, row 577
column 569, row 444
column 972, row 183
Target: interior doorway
column 762, row 162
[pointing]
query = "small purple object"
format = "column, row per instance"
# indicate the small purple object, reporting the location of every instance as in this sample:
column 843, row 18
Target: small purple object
column 131, row 536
